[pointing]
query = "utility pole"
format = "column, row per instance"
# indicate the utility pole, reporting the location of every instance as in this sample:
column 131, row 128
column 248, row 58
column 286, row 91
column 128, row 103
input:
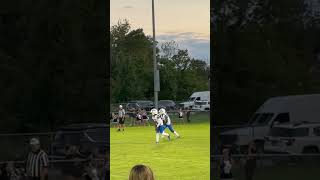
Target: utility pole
column 156, row 78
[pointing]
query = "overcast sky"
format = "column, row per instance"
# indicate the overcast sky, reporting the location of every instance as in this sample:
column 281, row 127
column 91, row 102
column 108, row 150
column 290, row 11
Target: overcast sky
column 185, row 21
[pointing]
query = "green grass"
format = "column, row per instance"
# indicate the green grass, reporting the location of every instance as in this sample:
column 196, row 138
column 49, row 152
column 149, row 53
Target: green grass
column 187, row 158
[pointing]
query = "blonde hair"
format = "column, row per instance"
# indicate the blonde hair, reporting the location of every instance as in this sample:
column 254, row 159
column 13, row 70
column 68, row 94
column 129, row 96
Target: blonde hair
column 141, row 172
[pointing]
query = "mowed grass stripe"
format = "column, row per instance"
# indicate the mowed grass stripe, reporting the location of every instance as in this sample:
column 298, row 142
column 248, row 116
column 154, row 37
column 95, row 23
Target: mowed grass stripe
column 184, row 158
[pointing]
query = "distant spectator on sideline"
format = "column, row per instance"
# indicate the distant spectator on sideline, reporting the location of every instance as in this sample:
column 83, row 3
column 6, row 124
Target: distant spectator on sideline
column 3, row 172
column 226, row 165
column 181, row 115
column 145, row 117
column 37, row 162
column 141, row 172
column 251, row 163
column 105, row 168
column 72, row 170
column 188, row 114
column 139, row 117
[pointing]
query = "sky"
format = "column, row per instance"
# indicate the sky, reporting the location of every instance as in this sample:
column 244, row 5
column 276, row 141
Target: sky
column 185, row 21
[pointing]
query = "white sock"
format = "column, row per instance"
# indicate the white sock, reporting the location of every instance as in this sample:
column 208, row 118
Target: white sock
column 176, row 133
column 157, row 137
column 165, row 134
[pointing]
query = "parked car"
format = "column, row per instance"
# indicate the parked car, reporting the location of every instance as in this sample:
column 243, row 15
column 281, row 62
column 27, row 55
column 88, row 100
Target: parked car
column 85, row 136
column 167, row 104
column 276, row 110
column 201, row 106
column 294, row 138
column 132, row 106
column 147, row 105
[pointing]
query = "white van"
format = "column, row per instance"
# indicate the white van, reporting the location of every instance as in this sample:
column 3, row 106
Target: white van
column 277, row 110
column 196, row 96
column 201, row 106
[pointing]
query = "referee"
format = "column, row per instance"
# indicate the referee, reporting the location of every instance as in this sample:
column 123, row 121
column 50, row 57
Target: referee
column 37, row 162
column 121, row 118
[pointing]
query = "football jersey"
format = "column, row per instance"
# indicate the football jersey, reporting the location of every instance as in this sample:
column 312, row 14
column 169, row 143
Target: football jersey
column 166, row 119
column 158, row 120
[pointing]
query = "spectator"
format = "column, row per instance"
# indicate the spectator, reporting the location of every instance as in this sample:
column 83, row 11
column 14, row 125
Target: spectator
column 145, row 117
column 139, row 117
column 3, row 172
column 105, row 168
column 12, row 172
column 181, row 115
column 188, row 114
column 226, row 165
column 113, row 118
column 91, row 172
column 73, row 168
column 37, row 162
column 251, row 161
column 141, row 172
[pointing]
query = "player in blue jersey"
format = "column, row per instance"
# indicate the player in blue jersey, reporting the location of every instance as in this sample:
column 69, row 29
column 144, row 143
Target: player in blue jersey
column 158, row 125
column 167, row 121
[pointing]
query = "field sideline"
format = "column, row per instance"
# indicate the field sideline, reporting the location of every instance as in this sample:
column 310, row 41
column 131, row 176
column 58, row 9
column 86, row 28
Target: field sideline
column 184, row 158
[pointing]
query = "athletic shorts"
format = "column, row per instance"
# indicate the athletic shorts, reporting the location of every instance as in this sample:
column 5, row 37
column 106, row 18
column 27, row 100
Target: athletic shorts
column 121, row 120
column 169, row 127
column 160, row 129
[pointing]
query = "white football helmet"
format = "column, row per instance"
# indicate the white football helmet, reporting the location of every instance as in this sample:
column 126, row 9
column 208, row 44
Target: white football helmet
column 154, row 112
column 120, row 106
column 162, row 111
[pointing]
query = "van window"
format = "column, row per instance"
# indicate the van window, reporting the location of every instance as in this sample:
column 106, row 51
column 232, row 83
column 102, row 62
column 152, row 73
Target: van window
column 198, row 99
column 263, row 119
column 282, row 118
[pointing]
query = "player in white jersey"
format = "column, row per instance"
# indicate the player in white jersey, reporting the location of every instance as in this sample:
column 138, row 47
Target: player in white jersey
column 167, row 121
column 158, row 125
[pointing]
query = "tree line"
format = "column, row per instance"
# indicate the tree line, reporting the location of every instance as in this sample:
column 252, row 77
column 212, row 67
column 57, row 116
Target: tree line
column 132, row 67
column 261, row 49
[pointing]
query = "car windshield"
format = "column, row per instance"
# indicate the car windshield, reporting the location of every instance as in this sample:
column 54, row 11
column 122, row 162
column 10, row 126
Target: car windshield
column 192, row 99
column 261, row 119
column 288, row 132
column 98, row 134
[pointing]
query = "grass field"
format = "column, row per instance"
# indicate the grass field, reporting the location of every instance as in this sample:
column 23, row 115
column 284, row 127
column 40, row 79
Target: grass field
column 187, row 158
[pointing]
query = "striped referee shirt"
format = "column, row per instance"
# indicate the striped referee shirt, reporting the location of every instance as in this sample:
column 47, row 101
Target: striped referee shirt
column 35, row 162
column 121, row 113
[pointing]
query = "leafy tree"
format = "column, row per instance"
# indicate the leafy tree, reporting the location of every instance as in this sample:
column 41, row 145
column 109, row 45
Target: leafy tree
column 132, row 67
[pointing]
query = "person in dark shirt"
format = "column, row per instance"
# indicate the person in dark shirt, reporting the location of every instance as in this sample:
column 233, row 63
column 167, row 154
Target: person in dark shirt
column 72, row 169
column 251, row 161
column 3, row 172
column 226, row 165
column 139, row 117
column 188, row 114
